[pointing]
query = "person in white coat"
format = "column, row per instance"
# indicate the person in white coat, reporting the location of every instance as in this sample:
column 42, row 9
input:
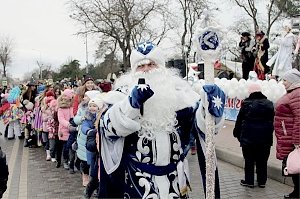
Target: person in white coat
column 283, row 59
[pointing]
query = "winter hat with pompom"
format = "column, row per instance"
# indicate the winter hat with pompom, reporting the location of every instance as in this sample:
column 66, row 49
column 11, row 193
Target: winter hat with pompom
column 68, row 93
column 28, row 105
column 254, row 87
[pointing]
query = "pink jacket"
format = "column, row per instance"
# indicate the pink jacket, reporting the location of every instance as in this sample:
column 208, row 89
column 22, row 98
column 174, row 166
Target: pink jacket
column 46, row 115
column 64, row 114
column 287, row 122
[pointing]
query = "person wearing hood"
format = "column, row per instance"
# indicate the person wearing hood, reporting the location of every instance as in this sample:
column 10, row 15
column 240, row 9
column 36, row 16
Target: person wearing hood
column 287, row 123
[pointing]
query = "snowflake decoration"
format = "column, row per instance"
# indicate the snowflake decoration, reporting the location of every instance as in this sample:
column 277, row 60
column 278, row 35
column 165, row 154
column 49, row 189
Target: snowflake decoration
column 142, row 87
column 217, row 101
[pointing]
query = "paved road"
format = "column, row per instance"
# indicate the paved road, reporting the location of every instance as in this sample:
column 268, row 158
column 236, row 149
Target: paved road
column 33, row 178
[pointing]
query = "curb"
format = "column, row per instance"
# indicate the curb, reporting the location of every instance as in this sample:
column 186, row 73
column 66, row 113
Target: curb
column 237, row 160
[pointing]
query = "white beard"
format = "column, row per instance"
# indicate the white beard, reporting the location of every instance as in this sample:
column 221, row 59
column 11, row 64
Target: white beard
column 159, row 110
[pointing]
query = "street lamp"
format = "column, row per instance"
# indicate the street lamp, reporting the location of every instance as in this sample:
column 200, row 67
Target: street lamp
column 39, row 63
column 86, row 50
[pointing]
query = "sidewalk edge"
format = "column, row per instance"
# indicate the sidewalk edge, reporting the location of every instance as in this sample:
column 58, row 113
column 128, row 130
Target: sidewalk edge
column 237, row 160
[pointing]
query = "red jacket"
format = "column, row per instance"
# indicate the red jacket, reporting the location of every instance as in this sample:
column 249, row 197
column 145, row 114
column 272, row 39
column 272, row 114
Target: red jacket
column 4, row 108
column 287, row 122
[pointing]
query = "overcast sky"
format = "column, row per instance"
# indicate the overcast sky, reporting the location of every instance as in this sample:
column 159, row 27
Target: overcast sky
column 42, row 30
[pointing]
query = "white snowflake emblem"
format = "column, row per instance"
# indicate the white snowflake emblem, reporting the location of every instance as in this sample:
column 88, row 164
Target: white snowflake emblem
column 142, row 87
column 217, row 101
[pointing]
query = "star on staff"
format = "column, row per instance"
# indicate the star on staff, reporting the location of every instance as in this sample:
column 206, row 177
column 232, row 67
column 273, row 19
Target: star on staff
column 217, row 101
column 142, row 87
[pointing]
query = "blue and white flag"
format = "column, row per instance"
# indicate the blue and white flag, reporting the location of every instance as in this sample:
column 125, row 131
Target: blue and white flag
column 216, row 99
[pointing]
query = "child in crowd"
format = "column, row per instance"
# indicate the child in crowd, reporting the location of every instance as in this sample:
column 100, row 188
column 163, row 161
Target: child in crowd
column 38, row 123
column 64, row 113
column 81, row 138
column 14, row 114
column 53, row 129
column 46, row 115
column 26, row 121
column 96, row 107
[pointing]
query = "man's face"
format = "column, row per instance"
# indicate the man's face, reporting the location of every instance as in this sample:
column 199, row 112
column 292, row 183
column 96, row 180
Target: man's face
column 146, row 67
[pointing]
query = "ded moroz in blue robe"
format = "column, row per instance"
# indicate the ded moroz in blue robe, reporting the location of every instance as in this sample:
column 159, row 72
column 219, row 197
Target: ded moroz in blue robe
column 135, row 165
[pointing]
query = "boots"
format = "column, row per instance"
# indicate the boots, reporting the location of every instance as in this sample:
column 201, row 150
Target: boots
column 48, row 157
column 26, row 143
column 85, row 180
column 91, row 187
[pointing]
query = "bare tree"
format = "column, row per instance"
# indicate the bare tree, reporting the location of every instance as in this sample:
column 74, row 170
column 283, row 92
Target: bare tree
column 275, row 9
column 6, row 47
column 250, row 8
column 124, row 22
column 190, row 11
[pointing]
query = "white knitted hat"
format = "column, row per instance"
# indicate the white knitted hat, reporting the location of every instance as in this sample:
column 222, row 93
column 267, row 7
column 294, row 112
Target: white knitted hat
column 98, row 101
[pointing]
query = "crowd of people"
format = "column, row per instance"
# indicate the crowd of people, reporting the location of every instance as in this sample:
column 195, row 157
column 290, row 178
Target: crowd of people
column 132, row 141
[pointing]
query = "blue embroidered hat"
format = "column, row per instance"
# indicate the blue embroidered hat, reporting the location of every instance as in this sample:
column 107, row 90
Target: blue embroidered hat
column 146, row 51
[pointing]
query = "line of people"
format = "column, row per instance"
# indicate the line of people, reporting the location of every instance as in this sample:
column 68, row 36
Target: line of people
column 62, row 121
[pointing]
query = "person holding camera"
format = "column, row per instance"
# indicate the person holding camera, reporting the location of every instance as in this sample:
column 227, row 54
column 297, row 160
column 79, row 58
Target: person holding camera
column 246, row 44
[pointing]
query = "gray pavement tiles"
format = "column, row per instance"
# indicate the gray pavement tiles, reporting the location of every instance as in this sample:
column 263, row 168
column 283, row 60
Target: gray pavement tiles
column 46, row 181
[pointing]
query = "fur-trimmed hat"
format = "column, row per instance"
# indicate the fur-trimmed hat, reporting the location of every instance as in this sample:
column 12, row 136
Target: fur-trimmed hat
column 144, row 53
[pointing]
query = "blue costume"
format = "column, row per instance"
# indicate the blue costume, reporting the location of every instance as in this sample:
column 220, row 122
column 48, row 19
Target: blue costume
column 145, row 159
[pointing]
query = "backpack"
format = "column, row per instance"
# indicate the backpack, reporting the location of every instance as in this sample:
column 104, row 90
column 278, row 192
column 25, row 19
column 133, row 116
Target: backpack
column 4, row 173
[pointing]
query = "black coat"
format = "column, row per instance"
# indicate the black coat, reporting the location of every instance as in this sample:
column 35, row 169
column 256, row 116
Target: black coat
column 254, row 125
